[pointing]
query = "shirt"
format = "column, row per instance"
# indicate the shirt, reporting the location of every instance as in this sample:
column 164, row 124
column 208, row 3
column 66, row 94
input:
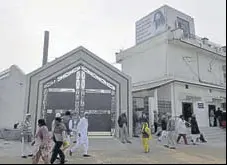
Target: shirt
column 59, row 132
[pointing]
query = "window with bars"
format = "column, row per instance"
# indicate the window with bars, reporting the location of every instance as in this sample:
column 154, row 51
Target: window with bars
column 164, row 106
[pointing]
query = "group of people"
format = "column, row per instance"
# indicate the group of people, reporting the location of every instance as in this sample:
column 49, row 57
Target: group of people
column 49, row 146
column 146, row 132
column 173, row 128
column 65, row 127
column 215, row 117
column 169, row 130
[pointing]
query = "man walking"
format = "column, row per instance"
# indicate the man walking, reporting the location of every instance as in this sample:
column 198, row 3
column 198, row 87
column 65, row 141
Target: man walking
column 171, row 132
column 181, row 129
column 122, row 123
column 67, row 120
column 82, row 136
column 155, row 121
column 218, row 116
column 75, row 121
column 164, row 127
column 58, row 136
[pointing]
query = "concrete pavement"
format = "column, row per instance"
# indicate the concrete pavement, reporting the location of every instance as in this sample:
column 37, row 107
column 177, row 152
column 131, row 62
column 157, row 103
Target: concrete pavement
column 110, row 150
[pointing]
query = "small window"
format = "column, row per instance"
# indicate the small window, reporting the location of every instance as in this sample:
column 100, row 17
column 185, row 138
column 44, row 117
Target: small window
column 186, row 86
column 210, row 90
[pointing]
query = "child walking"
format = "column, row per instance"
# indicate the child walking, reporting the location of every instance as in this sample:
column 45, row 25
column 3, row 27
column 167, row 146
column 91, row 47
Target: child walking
column 146, row 136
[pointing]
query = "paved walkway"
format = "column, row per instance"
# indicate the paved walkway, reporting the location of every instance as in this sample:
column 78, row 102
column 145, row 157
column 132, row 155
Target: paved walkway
column 109, row 150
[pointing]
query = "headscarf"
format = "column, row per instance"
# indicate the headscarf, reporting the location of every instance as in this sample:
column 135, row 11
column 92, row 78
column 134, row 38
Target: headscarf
column 146, row 129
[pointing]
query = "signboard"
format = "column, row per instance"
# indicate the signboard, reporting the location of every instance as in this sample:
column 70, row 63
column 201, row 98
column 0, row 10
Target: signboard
column 201, row 114
column 200, row 105
column 150, row 25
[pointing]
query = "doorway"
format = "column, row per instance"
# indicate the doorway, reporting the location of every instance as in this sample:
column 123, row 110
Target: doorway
column 187, row 110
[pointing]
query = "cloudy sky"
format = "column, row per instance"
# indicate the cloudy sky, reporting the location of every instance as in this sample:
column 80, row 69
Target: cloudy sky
column 102, row 26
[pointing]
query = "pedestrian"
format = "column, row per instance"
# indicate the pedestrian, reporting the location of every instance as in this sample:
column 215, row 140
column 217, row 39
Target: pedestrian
column 146, row 136
column 171, row 128
column 41, row 143
column 58, row 136
column 26, row 137
column 181, row 129
column 82, row 139
column 164, row 128
column 155, row 121
column 135, row 124
column 144, row 118
column 67, row 120
column 75, row 121
column 195, row 132
column 218, row 116
column 65, row 144
column 122, row 123
column 53, row 122
column 212, row 118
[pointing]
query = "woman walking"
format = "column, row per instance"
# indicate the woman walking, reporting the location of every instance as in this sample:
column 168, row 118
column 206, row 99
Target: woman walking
column 41, row 143
column 195, row 133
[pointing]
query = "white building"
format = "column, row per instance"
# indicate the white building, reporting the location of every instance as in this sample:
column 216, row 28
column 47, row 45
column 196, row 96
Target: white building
column 172, row 69
column 12, row 96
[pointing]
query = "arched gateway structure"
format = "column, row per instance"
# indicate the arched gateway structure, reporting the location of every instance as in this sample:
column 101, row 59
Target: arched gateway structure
column 80, row 81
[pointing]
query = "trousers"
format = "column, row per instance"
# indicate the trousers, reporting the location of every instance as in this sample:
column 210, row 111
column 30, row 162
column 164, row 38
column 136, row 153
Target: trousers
column 184, row 137
column 25, row 147
column 57, row 150
column 171, row 139
column 146, row 146
column 81, row 141
column 124, row 133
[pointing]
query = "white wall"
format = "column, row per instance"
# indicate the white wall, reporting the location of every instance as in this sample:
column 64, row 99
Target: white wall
column 12, row 95
column 216, row 74
column 201, row 94
column 191, row 63
column 146, row 61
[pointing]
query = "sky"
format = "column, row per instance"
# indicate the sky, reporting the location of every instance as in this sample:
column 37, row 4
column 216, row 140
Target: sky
column 102, row 26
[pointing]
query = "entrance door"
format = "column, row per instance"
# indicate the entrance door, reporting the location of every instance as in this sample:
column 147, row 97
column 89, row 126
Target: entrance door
column 80, row 90
column 211, row 109
column 187, row 110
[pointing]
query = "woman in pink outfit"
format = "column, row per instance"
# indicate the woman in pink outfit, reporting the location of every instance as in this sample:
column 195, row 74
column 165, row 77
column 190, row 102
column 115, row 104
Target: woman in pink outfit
column 41, row 143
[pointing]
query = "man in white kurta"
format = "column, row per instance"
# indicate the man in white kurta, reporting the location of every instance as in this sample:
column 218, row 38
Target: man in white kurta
column 181, row 129
column 82, row 139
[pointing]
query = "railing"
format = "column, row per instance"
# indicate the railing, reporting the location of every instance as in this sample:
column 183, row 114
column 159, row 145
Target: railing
column 198, row 41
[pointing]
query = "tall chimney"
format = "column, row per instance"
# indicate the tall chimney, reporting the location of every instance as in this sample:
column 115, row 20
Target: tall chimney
column 45, row 47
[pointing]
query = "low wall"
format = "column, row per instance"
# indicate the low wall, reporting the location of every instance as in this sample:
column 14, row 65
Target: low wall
column 10, row 134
